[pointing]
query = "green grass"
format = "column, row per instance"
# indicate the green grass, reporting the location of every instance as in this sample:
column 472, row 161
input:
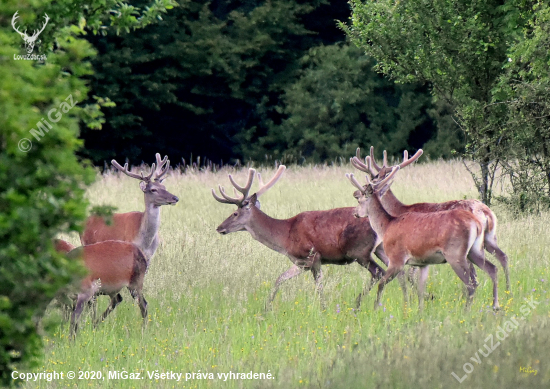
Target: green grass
column 206, row 296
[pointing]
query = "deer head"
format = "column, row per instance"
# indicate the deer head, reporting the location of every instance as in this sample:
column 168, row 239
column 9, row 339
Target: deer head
column 29, row 40
column 376, row 187
column 155, row 192
column 239, row 219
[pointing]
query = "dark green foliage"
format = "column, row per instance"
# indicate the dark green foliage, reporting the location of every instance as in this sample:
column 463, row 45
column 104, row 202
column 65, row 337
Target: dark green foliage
column 339, row 103
column 41, row 188
column 522, row 105
column 189, row 84
column 223, row 80
column 459, row 47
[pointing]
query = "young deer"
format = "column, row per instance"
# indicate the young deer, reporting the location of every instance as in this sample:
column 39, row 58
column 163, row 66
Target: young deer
column 140, row 228
column 395, row 207
column 309, row 239
column 421, row 239
column 112, row 265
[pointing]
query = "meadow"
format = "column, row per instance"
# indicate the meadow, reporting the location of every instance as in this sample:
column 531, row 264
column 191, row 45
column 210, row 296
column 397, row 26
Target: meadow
column 206, row 295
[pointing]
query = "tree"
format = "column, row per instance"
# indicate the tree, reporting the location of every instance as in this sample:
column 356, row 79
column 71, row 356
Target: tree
column 522, row 102
column 338, row 103
column 42, row 182
column 458, row 47
column 189, row 85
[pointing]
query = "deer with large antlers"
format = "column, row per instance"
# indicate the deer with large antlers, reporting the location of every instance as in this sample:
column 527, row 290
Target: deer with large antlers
column 309, row 239
column 422, row 239
column 395, row 207
column 29, row 40
column 140, row 228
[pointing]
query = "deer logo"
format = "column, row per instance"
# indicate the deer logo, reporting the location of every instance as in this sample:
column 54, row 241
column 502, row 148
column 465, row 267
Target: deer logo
column 29, row 40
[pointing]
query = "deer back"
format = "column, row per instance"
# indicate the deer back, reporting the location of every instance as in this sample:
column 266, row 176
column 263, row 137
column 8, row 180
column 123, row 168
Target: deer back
column 332, row 233
column 422, row 234
column 124, row 226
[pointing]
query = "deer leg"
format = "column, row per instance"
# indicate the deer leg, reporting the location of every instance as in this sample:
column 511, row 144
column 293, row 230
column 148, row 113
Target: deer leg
column 424, row 271
column 381, row 254
column 81, row 299
column 391, row 272
column 318, row 276
column 473, row 274
column 93, row 306
column 462, row 270
column 138, row 295
column 492, row 247
column 376, row 273
column 115, row 300
column 287, row 275
column 477, row 256
column 401, row 277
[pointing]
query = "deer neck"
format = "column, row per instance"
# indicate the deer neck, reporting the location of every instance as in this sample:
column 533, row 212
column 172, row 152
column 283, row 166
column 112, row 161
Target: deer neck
column 392, row 204
column 271, row 232
column 147, row 237
column 378, row 216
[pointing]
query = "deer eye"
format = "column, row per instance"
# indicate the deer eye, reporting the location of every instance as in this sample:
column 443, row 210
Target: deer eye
column 235, row 214
column 154, row 191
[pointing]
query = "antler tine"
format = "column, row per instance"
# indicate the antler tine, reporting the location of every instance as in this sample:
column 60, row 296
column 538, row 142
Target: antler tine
column 358, row 153
column 373, row 173
column 274, row 179
column 366, row 168
column 221, row 200
column 234, row 200
column 356, row 163
column 159, row 171
column 374, row 164
column 354, row 182
column 126, row 171
column 386, row 181
column 148, row 178
column 385, row 159
column 407, row 161
column 244, row 189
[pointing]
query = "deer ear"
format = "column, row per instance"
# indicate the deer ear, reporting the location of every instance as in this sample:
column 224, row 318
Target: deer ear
column 142, row 185
column 252, row 200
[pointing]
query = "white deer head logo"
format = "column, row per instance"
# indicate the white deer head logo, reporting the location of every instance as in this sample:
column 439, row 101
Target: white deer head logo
column 29, row 40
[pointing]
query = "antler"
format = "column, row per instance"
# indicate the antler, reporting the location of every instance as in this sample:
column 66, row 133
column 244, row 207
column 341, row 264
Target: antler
column 384, row 161
column 358, row 164
column 159, row 172
column 243, row 189
column 265, row 187
column 13, row 19
column 134, row 175
column 354, row 182
column 374, row 184
column 406, row 160
column 379, row 185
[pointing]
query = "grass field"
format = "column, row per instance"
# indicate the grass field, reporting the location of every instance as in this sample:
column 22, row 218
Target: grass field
column 206, row 295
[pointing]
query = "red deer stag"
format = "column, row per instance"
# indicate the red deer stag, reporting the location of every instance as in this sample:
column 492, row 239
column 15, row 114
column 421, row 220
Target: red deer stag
column 112, row 265
column 421, row 239
column 140, row 228
column 476, row 207
column 309, row 239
